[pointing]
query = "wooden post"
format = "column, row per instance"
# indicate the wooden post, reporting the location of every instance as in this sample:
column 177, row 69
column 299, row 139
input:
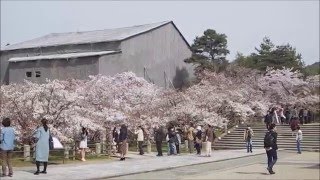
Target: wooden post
column 26, row 152
column 74, row 150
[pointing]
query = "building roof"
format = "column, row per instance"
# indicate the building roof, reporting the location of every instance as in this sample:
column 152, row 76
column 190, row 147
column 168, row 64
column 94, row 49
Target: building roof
column 62, row 56
column 107, row 35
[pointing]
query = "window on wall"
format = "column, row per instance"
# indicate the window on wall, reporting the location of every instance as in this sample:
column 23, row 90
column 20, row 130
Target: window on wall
column 38, row 74
column 29, row 74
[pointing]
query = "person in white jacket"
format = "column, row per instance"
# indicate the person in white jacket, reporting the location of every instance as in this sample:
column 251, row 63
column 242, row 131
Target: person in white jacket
column 299, row 139
column 140, row 139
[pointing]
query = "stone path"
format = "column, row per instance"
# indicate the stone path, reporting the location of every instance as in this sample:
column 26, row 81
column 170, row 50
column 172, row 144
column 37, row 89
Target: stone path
column 133, row 164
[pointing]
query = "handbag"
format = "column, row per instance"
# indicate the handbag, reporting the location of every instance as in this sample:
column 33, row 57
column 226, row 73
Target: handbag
column 51, row 146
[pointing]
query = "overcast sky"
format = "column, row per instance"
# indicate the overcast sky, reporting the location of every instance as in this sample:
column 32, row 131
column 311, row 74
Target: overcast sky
column 244, row 22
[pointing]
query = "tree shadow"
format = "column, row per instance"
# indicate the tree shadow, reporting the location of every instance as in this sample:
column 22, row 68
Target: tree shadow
column 261, row 173
column 181, row 78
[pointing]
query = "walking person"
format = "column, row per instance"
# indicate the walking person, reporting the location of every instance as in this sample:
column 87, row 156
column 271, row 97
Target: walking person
column 271, row 147
column 140, row 139
column 158, row 138
column 7, row 138
column 299, row 139
column 42, row 136
column 190, row 137
column 247, row 137
column 123, row 138
column 209, row 138
column 198, row 140
column 83, row 143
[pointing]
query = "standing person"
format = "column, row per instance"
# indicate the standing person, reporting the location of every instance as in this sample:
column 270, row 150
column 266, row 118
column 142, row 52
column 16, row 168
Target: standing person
column 288, row 115
column 294, row 112
column 281, row 115
column 190, row 137
column 123, row 137
column 247, row 137
column 275, row 118
column 301, row 116
column 271, row 147
column 178, row 140
column 158, row 138
column 305, row 116
column 115, row 136
column 299, row 139
column 310, row 116
column 209, row 139
column 42, row 146
column 268, row 119
column 83, row 143
column 7, row 138
column 198, row 140
column 171, row 139
column 140, row 139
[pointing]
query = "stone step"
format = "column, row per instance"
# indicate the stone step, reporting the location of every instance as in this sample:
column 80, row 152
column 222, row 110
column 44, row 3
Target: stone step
column 261, row 142
column 261, row 145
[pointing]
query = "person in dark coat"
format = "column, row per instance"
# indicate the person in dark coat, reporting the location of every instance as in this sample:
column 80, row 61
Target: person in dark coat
column 159, row 136
column 271, row 147
column 198, row 140
column 123, row 137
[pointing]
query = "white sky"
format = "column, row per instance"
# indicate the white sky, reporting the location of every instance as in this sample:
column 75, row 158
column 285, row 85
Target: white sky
column 244, row 22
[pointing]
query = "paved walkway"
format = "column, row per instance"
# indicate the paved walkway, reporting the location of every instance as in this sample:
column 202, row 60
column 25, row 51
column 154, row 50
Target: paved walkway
column 133, row 164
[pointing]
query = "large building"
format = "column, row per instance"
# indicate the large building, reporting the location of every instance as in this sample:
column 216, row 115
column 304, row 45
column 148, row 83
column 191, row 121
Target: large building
column 153, row 51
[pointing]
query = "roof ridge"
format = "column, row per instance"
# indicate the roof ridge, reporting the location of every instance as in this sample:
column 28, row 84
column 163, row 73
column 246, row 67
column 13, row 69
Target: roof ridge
column 110, row 28
column 54, row 39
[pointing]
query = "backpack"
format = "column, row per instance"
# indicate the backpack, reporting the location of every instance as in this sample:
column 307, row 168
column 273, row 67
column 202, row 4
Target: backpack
column 268, row 139
column 268, row 118
column 249, row 134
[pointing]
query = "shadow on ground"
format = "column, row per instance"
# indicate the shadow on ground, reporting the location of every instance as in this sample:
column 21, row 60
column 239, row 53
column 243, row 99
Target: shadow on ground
column 253, row 173
column 317, row 166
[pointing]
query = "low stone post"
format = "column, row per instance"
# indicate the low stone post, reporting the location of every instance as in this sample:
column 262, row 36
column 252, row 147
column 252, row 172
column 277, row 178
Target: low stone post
column 148, row 147
column 186, row 144
column 26, row 152
column 204, row 148
column 127, row 148
column 66, row 151
column 98, row 149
